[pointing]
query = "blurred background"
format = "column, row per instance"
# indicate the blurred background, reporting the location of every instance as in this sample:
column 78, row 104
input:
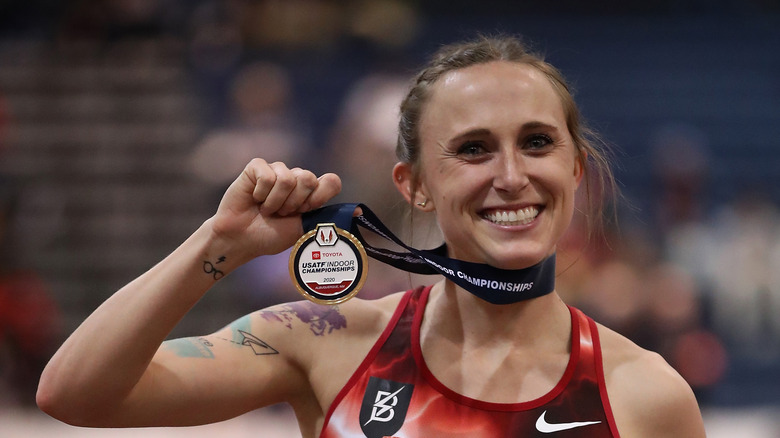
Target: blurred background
column 123, row 121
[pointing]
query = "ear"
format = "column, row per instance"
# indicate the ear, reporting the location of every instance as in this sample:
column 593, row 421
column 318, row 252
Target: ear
column 579, row 167
column 412, row 192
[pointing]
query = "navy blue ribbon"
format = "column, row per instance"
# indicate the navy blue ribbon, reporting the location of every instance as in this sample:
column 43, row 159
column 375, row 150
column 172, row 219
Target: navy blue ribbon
column 494, row 285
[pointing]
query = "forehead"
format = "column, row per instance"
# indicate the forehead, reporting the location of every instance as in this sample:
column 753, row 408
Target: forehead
column 494, row 93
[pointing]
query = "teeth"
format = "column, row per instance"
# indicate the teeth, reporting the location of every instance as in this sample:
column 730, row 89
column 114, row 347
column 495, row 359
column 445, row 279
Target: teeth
column 513, row 217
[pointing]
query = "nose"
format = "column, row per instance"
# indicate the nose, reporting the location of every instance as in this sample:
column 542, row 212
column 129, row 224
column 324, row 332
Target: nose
column 511, row 172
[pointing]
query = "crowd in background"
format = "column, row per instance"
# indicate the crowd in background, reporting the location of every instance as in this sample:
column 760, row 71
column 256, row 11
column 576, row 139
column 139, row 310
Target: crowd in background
column 689, row 265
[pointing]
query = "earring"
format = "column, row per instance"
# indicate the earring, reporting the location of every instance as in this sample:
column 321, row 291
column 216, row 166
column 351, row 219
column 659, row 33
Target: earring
column 423, row 204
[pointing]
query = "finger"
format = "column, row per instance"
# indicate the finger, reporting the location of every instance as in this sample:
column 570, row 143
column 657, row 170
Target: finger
column 305, row 183
column 262, row 176
column 284, row 184
column 328, row 186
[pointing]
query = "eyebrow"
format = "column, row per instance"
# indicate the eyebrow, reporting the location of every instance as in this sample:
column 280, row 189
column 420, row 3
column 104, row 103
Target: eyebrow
column 537, row 125
column 471, row 133
column 483, row 131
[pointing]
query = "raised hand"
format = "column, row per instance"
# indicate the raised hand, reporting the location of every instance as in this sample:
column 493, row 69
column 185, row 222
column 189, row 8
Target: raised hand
column 260, row 211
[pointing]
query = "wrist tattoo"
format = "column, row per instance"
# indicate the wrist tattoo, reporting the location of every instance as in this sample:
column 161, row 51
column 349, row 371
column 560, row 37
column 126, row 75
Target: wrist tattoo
column 210, row 268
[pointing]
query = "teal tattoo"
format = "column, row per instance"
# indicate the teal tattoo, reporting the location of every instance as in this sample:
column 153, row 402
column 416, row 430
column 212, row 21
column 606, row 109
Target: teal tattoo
column 190, row 347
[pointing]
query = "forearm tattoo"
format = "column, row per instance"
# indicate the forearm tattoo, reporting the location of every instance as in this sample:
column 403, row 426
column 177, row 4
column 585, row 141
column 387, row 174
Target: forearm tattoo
column 211, row 268
column 321, row 319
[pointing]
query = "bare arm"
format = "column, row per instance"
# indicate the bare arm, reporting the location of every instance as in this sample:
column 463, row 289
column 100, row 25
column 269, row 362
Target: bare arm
column 102, row 375
column 648, row 397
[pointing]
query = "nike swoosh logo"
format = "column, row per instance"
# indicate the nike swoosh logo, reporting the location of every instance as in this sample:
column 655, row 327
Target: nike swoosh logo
column 544, row 427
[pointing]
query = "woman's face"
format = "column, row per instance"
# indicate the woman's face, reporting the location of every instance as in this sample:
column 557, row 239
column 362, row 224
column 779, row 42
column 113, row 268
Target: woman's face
column 498, row 165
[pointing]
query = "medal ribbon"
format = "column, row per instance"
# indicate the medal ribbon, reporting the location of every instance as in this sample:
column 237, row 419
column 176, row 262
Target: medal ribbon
column 494, row 285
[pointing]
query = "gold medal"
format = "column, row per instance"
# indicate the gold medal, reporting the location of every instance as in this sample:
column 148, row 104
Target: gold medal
column 328, row 265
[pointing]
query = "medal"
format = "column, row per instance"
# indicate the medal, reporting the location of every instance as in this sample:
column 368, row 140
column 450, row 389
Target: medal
column 328, row 265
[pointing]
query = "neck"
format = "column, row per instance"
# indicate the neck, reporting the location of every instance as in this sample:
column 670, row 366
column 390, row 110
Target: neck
column 456, row 314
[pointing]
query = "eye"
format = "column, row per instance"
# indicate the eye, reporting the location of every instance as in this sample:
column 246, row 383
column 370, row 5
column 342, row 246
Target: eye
column 471, row 149
column 538, row 141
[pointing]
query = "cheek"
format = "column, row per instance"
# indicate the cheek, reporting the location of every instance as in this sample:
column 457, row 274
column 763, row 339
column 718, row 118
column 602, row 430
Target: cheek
column 444, row 184
column 562, row 185
column 568, row 206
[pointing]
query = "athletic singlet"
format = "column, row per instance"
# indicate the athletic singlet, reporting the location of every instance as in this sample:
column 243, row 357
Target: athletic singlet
column 393, row 394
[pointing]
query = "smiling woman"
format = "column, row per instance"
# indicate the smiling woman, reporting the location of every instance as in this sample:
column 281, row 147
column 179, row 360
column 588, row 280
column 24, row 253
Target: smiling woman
column 501, row 127
column 450, row 60
column 491, row 143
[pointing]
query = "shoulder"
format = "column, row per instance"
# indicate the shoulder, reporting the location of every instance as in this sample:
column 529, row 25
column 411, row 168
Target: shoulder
column 648, row 397
column 327, row 343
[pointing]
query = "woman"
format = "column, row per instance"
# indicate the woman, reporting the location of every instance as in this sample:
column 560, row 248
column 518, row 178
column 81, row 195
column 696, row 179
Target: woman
column 490, row 142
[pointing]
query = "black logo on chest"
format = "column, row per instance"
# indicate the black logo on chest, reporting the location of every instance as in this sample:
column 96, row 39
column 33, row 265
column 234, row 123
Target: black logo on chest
column 384, row 407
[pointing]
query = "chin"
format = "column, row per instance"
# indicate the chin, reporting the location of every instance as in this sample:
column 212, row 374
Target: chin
column 519, row 255
column 519, row 261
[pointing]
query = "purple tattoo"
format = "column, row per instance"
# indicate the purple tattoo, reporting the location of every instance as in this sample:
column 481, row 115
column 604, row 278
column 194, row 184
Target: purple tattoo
column 321, row 319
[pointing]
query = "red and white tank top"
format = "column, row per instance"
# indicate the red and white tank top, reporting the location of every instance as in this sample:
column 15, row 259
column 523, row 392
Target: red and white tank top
column 393, row 394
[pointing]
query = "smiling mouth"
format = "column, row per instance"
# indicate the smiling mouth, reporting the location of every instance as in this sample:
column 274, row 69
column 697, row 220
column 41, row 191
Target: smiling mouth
column 522, row 216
